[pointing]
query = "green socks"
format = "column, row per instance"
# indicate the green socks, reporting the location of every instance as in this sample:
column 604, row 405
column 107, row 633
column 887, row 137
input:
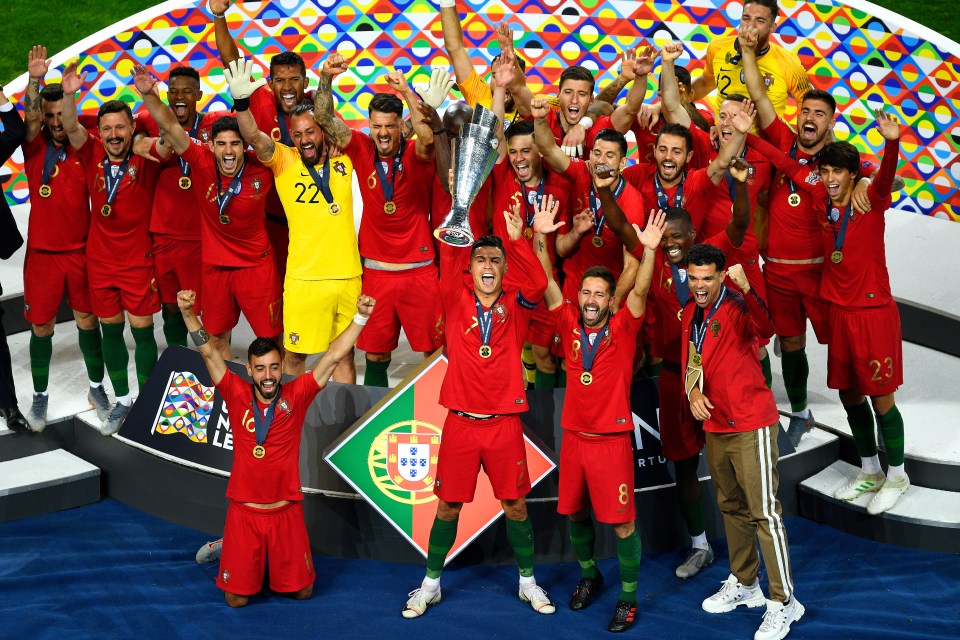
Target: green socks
column 376, row 374
column 144, row 352
column 860, row 419
column 91, row 346
column 583, row 536
column 175, row 330
column 628, row 555
column 795, row 373
column 115, row 357
column 41, row 351
column 692, row 511
column 891, row 426
column 443, row 534
column 520, row 536
column 544, row 380
column 767, row 372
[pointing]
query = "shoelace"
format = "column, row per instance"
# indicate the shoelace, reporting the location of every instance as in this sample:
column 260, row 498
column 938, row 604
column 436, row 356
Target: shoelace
column 773, row 619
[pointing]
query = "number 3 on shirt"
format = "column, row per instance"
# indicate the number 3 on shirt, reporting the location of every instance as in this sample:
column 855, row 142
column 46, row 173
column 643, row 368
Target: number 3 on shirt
column 886, row 365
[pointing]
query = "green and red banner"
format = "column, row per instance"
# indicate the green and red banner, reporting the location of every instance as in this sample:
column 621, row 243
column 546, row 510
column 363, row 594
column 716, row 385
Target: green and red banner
column 390, row 457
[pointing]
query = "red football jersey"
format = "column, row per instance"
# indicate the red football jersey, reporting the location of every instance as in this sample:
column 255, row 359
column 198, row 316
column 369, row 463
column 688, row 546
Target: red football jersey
column 123, row 236
column 733, row 380
column 242, row 242
column 646, row 141
column 275, row 476
column 603, row 406
column 496, row 384
column 553, row 121
column 61, row 221
column 697, row 190
column 403, row 236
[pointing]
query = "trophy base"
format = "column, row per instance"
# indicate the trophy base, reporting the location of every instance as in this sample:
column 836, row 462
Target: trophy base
column 454, row 236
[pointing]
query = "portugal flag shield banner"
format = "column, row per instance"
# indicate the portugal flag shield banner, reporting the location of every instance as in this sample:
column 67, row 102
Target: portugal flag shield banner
column 390, row 457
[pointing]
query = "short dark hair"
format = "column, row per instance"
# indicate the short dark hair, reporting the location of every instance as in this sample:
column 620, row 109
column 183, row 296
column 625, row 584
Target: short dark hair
column 674, row 129
column 288, row 59
column 114, row 106
column 683, row 77
column 822, row 96
column 735, row 97
column 52, row 92
column 520, row 61
column 769, row 4
column 704, row 254
column 604, row 274
column 261, row 347
column 488, row 241
column 612, row 135
column 386, row 103
column 520, row 128
column 577, row 72
column 226, row 123
column 300, row 109
column 680, row 214
column 184, row 71
column 841, row 155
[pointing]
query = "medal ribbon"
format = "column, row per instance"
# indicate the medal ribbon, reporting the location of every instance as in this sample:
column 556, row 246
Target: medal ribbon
column 397, row 165
column 589, row 349
column 737, row 57
column 527, row 205
column 322, row 179
column 793, row 154
column 731, row 183
column 234, row 189
column 184, row 165
column 265, row 419
column 113, row 184
column 681, row 286
column 598, row 217
column 485, row 319
column 50, row 160
column 662, row 201
column 284, row 130
column 839, row 237
column 699, row 328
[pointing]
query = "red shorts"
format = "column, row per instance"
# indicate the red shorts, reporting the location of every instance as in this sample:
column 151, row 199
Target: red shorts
column 467, row 445
column 46, row 274
column 114, row 289
column 177, row 264
column 279, row 236
column 251, row 535
column 408, row 299
column 865, row 351
column 681, row 436
column 794, row 296
column 254, row 290
column 543, row 326
column 597, row 471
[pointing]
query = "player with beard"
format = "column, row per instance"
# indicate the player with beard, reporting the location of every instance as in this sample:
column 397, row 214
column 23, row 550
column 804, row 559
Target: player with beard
column 56, row 241
column 238, row 273
column 271, row 106
column 865, row 352
column 681, row 436
column 265, row 515
column 396, row 242
column 323, row 275
column 174, row 223
column 119, row 248
column 484, row 392
column 596, row 459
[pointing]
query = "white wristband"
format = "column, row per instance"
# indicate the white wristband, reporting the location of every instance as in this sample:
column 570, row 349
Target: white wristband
column 587, row 122
column 448, row 4
column 360, row 320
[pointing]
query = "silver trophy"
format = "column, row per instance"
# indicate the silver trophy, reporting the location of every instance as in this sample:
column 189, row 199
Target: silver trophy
column 474, row 154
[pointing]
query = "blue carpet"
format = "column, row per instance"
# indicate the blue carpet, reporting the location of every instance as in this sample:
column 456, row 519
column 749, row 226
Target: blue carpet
column 109, row 571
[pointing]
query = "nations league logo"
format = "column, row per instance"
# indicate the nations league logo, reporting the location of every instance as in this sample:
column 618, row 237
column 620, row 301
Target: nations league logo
column 186, row 407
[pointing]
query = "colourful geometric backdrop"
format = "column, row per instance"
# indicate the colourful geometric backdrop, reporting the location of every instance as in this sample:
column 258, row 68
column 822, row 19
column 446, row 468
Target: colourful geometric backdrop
column 861, row 60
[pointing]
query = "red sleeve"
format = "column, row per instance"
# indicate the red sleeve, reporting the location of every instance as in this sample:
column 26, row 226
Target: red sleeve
column 146, row 122
column 779, row 134
column 703, row 151
column 534, row 283
column 195, row 153
column 453, row 262
column 759, row 315
column 802, row 175
column 880, row 187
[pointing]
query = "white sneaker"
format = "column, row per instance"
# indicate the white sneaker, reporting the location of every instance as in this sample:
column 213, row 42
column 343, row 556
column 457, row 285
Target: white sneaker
column 888, row 495
column 538, row 599
column 863, row 483
column 777, row 620
column 419, row 600
column 210, row 552
column 732, row 595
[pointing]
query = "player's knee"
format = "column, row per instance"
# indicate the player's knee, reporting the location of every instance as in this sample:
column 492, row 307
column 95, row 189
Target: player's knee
column 448, row 511
column 84, row 321
column 236, row 601
column 544, row 359
column 624, row 529
column 793, row 343
column 303, row 594
column 882, row 404
column 378, row 357
column 850, row 397
column 580, row 516
column 515, row 509
column 46, row 329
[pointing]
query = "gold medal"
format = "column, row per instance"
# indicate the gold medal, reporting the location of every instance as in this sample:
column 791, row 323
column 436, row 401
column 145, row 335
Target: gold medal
column 597, row 241
column 185, row 182
column 586, row 378
column 389, row 207
column 486, row 351
column 259, row 451
column 334, row 208
column 528, row 233
column 697, row 360
column 45, row 191
column 224, row 218
column 836, row 257
column 106, row 210
column 680, row 314
column 794, row 200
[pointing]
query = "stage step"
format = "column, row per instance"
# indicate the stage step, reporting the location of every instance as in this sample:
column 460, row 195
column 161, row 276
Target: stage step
column 45, row 482
column 924, row 518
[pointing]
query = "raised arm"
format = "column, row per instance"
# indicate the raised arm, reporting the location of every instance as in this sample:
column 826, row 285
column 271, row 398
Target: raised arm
column 342, row 346
column 669, row 89
column 518, row 83
column 766, row 114
column 237, row 75
column 453, row 40
column 742, row 123
column 533, row 280
column 226, row 46
column 604, row 178
column 557, row 159
column 650, row 239
column 170, row 130
column 544, row 223
column 612, row 90
column 424, row 142
column 37, row 68
column 211, row 356
column 71, row 83
column 329, row 121
column 636, row 66
column 759, row 315
column 741, row 171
